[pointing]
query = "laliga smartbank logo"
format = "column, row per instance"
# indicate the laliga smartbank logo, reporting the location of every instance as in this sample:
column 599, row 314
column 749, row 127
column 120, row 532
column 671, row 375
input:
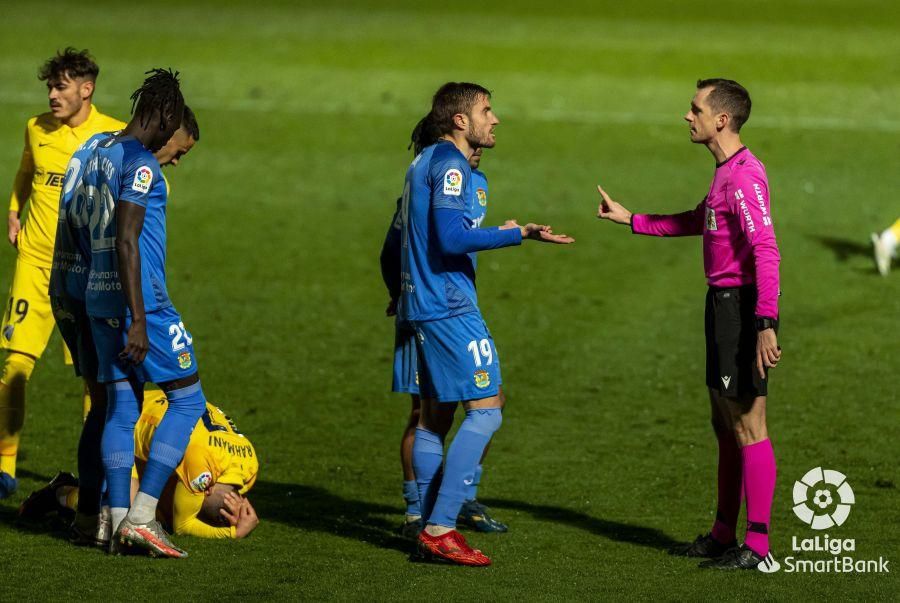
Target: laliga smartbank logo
column 823, row 499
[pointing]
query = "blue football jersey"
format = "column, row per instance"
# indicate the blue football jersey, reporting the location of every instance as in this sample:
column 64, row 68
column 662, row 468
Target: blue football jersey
column 434, row 285
column 121, row 169
column 72, row 249
column 477, row 205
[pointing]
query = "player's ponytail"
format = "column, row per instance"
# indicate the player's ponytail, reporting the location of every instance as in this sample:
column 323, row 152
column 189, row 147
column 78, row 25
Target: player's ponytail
column 425, row 134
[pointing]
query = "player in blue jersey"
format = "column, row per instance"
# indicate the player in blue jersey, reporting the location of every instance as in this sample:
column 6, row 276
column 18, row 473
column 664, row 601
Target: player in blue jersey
column 68, row 281
column 456, row 356
column 405, row 374
column 138, row 334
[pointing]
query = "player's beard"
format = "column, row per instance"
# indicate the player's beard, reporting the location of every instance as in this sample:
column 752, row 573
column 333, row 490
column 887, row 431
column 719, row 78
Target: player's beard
column 477, row 141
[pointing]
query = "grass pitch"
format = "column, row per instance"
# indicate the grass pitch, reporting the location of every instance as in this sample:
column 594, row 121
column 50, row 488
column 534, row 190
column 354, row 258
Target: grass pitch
column 606, row 457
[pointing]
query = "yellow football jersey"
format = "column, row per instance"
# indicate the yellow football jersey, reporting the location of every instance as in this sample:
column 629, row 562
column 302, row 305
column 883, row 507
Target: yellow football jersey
column 49, row 145
column 216, row 452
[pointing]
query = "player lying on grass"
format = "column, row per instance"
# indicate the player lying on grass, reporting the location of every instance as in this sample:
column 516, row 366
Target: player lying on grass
column 205, row 497
column 884, row 246
column 68, row 282
column 741, row 259
column 50, row 140
column 456, row 356
column 405, row 375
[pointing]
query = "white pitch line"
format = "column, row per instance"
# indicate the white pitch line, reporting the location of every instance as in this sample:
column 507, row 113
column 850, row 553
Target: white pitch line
column 597, row 118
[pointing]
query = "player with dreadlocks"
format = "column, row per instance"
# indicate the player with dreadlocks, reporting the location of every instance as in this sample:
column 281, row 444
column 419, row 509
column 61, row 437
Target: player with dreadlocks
column 119, row 222
column 406, row 378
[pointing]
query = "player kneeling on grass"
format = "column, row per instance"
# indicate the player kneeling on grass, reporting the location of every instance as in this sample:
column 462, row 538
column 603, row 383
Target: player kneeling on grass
column 206, row 496
column 457, row 359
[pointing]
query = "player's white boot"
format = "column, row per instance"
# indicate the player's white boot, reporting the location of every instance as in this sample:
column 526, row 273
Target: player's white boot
column 882, row 254
column 148, row 536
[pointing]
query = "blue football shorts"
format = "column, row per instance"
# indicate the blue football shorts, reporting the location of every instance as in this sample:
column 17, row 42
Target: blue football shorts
column 170, row 357
column 456, row 359
column 406, row 365
column 75, row 328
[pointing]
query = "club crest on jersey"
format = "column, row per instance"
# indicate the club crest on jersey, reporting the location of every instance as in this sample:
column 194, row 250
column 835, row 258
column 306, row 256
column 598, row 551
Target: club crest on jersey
column 143, row 178
column 184, row 360
column 453, row 183
column 202, row 482
column 711, row 219
column 482, row 379
column 8, row 332
column 482, row 197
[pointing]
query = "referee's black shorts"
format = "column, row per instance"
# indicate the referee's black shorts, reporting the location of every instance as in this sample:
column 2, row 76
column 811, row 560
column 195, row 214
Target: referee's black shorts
column 731, row 342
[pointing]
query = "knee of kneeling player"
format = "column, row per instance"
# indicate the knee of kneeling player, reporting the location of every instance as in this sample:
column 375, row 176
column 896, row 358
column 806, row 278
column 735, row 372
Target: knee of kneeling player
column 17, row 369
column 485, row 421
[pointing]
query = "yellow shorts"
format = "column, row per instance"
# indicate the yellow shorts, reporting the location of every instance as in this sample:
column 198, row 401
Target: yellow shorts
column 27, row 319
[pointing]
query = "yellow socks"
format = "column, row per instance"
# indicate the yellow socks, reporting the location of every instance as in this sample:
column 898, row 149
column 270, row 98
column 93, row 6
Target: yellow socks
column 16, row 372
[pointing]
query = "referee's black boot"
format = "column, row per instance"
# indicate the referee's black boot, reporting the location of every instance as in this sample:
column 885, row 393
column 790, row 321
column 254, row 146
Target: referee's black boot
column 742, row 557
column 703, row 546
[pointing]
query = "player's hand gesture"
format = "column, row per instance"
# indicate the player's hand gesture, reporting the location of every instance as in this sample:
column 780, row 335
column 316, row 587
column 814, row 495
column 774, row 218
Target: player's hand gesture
column 539, row 232
column 767, row 351
column 611, row 210
column 13, row 228
column 136, row 349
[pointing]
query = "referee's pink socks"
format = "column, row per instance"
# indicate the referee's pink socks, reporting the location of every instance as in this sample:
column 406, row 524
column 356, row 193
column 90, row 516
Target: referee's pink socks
column 759, row 488
column 730, row 485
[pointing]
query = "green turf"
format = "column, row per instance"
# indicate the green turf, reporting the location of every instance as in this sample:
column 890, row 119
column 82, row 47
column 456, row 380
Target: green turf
column 605, row 456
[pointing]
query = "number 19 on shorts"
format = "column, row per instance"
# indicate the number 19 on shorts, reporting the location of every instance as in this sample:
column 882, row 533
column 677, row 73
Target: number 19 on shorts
column 481, row 350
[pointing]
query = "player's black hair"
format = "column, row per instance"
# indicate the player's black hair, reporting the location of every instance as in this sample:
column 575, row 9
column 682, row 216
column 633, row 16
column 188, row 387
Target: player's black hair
column 189, row 123
column 453, row 98
column 730, row 97
column 69, row 63
column 424, row 134
column 161, row 92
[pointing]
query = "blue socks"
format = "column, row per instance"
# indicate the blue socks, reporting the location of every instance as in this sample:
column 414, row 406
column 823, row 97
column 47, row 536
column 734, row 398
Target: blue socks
column 186, row 405
column 117, row 444
column 428, row 454
column 462, row 463
column 411, row 495
column 472, row 493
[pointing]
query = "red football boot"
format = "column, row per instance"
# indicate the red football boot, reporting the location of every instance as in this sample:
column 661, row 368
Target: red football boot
column 451, row 548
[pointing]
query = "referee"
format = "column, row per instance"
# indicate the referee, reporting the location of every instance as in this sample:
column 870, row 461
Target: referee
column 740, row 257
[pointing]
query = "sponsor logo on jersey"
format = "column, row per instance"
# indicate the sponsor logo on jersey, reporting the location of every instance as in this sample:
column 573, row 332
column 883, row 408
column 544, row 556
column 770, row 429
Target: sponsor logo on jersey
column 711, row 219
column 113, row 322
column 751, row 227
column 767, row 219
column 184, row 360
column 453, row 183
column 202, row 482
column 482, row 197
column 726, row 381
column 482, row 379
column 143, row 178
column 54, row 179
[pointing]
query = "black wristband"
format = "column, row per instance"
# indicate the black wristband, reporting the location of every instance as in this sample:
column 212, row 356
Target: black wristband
column 764, row 322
